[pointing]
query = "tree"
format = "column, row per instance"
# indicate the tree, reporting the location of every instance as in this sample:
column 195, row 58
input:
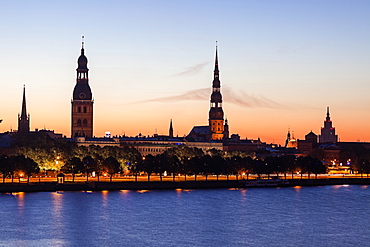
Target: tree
column 317, row 167
column 206, row 162
column 111, row 166
column 25, row 165
column 73, row 166
column 149, row 165
column 259, row 167
column 288, row 164
column 363, row 166
column 194, row 166
column 217, row 165
column 89, row 165
column 273, row 164
column 5, row 167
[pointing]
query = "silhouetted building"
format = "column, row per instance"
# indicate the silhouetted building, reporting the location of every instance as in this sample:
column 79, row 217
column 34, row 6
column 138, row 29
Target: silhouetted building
column 23, row 118
column 215, row 129
column 312, row 138
column 216, row 114
column 170, row 132
column 328, row 131
column 82, row 101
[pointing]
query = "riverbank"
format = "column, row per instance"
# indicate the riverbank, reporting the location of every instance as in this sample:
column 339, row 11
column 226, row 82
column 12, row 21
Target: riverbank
column 155, row 185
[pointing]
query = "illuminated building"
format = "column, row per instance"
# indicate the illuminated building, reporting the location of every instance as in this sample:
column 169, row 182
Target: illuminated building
column 291, row 142
column 82, row 101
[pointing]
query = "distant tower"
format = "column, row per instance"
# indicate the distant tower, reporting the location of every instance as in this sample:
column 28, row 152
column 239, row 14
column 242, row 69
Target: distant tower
column 170, row 132
column 216, row 114
column 82, row 102
column 328, row 132
column 226, row 129
column 23, row 118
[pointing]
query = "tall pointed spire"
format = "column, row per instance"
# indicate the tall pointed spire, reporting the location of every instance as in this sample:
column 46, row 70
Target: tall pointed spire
column 216, row 114
column 23, row 118
column 171, row 129
column 327, row 114
column 216, row 60
column 24, row 107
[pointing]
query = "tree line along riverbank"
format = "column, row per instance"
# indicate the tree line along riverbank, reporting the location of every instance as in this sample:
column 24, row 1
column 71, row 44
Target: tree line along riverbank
column 36, row 155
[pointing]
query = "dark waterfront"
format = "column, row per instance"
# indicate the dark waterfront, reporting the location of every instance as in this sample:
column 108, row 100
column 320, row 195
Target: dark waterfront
column 292, row 216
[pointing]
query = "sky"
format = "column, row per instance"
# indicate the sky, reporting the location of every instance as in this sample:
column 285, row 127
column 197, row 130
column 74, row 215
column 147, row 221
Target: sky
column 282, row 62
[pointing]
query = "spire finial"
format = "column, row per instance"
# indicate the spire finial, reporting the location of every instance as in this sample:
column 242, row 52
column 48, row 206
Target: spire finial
column 216, row 59
column 327, row 111
column 83, row 41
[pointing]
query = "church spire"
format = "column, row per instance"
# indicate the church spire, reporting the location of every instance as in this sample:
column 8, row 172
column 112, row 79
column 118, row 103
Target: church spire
column 24, row 107
column 216, row 114
column 82, row 100
column 171, row 129
column 23, row 118
column 216, row 60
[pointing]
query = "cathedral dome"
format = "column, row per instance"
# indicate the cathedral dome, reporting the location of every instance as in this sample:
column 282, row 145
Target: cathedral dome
column 82, row 60
column 82, row 91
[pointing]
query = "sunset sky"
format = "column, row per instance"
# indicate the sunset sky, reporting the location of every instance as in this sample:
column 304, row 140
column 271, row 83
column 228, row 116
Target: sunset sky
column 281, row 64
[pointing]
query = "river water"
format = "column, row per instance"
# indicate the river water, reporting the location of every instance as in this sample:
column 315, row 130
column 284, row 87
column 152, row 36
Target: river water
column 300, row 216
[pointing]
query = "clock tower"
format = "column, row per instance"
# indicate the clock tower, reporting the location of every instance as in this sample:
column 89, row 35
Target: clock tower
column 216, row 114
column 82, row 101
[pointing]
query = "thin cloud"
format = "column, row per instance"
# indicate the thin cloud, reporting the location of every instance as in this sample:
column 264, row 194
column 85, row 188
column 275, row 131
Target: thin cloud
column 243, row 99
column 193, row 70
column 238, row 98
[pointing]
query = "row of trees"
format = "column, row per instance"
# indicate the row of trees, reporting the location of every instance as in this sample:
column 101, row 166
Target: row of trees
column 191, row 161
column 53, row 154
column 17, row 165
column 89, row 165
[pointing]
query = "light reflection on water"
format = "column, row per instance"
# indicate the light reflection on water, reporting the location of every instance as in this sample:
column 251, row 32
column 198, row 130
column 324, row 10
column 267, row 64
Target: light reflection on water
column 298, row 216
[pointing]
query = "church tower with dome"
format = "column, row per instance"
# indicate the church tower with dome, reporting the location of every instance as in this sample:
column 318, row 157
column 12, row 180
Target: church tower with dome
column 216, row 114
column 82, row 101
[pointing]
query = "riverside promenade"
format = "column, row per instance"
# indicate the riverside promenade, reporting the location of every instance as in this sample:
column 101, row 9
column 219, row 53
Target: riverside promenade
column 169, row 185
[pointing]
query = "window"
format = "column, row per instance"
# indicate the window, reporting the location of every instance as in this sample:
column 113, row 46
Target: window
column 85, row 122
column 85, row 109
column 79, row 109
column 79, row 122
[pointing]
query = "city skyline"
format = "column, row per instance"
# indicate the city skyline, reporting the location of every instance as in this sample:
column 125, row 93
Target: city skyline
column 281, row 65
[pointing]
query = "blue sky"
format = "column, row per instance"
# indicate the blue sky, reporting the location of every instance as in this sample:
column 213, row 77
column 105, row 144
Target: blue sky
column 281, row 64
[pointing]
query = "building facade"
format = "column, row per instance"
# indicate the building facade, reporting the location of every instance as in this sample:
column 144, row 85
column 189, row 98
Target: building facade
column 328, row 131
column 82, row 101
